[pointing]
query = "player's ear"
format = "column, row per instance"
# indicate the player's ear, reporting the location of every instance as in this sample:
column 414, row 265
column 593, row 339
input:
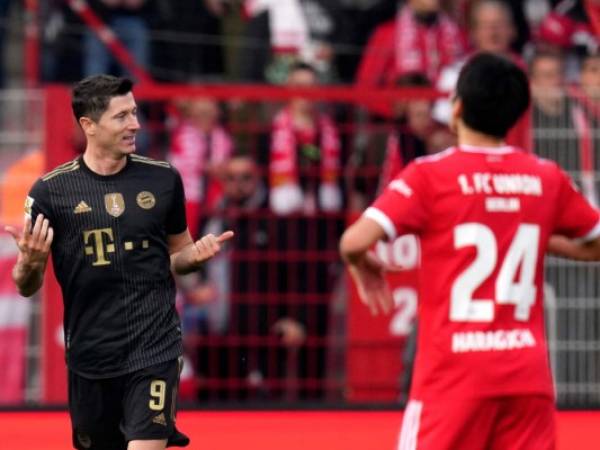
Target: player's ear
column 87, row 125
column 456, row 113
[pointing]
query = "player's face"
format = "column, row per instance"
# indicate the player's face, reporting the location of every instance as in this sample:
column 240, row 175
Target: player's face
column 115, row 131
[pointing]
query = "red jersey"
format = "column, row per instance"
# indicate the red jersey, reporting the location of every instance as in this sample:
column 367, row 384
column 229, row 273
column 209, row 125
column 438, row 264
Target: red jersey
column 484, row 216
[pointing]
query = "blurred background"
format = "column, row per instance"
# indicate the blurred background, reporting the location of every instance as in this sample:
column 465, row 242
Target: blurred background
column 285, row 119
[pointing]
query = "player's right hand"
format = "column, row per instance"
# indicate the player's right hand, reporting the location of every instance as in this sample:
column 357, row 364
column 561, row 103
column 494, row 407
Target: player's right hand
column 373, row 289
column 33, row 241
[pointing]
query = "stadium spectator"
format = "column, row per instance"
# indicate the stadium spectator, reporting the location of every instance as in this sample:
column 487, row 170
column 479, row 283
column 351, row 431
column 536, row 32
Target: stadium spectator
column 129, row 20
column 247, row 334
column 525, row 14
column 589, row 78
column 491, row 29
column 586, row 120
column 572, row 26
column 416, row 132
column 421, row 38
column 482, row 376
column 293, row 30
column 200, row 146
column 553, row 112
column 304, row 183
column 305, row 161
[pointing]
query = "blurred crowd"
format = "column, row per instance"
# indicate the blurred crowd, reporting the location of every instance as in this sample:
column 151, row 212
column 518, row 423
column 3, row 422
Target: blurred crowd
column 365, row 41
column 262, row 310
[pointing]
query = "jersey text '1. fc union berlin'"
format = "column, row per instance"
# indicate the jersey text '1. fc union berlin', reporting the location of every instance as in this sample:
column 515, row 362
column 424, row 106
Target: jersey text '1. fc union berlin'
column 484, row 217
column 111, row 259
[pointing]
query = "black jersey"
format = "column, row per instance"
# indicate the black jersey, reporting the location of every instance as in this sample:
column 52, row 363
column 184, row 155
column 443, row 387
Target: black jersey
column 111, row 259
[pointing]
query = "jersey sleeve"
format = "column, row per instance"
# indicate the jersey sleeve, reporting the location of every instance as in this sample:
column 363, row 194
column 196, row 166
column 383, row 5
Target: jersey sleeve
column 403, row 206
column 176, row 221
column 38, row 201
column 576, row 218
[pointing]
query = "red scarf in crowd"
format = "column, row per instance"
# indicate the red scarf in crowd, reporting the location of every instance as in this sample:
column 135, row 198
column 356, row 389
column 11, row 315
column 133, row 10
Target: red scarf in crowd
column 426, row 49
column 192, row 151
column 284, row 150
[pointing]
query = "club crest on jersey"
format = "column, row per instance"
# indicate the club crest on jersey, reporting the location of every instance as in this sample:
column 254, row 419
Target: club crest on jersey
column 114, row 203
column 146, row 200
column 28, row 205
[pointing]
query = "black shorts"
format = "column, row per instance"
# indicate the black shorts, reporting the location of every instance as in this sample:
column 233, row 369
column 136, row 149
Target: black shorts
column 108, row 413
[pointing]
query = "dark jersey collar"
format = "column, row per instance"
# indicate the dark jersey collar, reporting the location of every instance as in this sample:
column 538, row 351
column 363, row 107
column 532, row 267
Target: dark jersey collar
column 113, row 176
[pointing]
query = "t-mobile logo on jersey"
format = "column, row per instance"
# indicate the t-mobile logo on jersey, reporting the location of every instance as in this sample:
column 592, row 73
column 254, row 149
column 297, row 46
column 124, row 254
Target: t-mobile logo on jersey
column 100, row 242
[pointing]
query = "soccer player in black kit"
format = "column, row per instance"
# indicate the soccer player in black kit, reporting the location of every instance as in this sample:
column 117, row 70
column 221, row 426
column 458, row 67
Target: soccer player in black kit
column 115, row 225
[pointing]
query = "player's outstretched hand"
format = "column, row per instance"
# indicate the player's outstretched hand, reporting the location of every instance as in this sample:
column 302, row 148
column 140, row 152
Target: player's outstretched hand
column 209, row 245
column 33, row 241
column 372, row 286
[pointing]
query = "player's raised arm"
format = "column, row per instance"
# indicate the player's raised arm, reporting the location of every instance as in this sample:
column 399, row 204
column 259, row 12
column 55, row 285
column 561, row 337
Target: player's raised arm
column 34, row 248
column 187, row 255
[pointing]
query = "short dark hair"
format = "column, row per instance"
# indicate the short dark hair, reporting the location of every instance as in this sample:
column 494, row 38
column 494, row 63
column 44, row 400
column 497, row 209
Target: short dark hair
column 92, row 95
column 494, row 92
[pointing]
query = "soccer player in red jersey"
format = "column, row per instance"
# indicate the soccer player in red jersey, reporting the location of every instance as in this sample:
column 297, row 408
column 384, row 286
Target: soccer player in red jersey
column 485, row 213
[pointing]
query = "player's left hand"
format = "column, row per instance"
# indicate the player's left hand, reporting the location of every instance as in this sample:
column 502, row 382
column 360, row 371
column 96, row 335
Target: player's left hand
column 208, row 246
column 373, row 290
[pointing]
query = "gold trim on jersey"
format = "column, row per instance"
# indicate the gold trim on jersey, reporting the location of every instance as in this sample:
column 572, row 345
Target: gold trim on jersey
column 146, row 160
column 63, row 168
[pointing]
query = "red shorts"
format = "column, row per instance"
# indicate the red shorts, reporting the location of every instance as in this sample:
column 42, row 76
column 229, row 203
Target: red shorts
column 504, row 423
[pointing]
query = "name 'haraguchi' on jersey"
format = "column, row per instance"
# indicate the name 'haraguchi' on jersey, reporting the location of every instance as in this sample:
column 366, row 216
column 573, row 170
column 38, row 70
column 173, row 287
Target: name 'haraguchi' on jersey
column 498, row 340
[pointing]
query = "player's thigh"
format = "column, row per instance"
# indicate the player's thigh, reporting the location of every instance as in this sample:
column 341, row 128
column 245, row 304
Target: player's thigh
column 447, row 424
column 150, row 402
column 526, row 422
column 95, row 410
column 147, row 445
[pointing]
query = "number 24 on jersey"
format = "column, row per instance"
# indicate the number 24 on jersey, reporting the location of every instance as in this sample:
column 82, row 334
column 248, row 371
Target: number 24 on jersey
column 522, row 252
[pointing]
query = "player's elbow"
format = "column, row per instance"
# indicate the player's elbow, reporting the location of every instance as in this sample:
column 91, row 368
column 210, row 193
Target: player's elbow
column 350, row 246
